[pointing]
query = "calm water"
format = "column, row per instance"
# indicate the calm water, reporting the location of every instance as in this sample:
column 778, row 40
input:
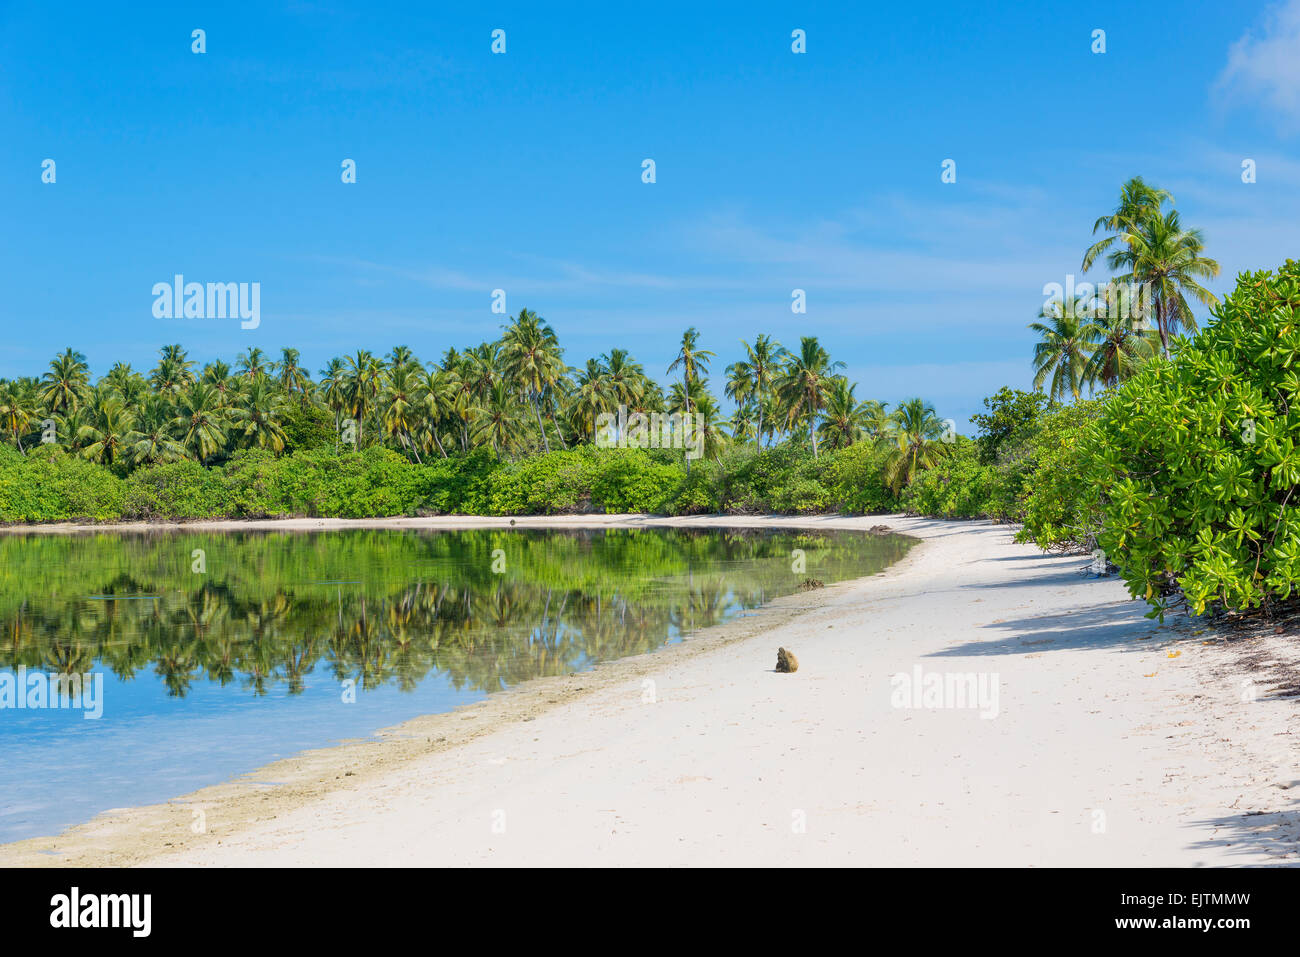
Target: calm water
column 221, row 652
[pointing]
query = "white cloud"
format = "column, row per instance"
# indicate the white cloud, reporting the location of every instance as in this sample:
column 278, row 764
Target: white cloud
column 1264, row 68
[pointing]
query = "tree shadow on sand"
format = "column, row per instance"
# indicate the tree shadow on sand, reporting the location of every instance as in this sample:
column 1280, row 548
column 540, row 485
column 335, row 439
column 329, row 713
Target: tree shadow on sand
column 1275, row 834
column 1114, row 625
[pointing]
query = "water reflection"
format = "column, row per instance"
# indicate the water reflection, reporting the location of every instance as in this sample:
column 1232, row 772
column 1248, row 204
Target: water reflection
column 389, row 608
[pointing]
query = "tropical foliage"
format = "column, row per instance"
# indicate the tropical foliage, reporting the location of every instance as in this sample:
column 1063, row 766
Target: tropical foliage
column 1103, row 335
column 503, row 427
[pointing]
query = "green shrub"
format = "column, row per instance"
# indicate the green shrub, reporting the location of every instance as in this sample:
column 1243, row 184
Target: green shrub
column 1196, row 461
column 785, row 479
column 251, row 478
column 699, row 491
column 959, row 487
column 49, row 485
column 1057, row 501
column 855, row 478
column 550, row 483
column 459, row 484
column 629, row 480
column 372, row 482
column 1012, row 415
column 307, row 427
column 176, row 491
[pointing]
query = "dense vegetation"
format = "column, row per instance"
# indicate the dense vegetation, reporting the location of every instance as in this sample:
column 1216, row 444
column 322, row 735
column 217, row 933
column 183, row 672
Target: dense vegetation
column 1179, row 465
column 503, row 428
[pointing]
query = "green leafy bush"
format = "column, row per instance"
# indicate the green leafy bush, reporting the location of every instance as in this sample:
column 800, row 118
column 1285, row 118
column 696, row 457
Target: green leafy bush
column 460, row 484
column 48, row 485
column 699, row 492
column 785, row 479
column 1012, row 415
column 175, row 491
column 307, row 427
column 959, row 487
column 550, row 483
column 855, row 478
column 629, row 480
column 251, row 478
column 1196, row 462
column 1058, row 500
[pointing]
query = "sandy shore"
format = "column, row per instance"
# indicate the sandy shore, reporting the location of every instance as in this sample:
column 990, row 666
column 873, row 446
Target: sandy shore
column 1116, row 741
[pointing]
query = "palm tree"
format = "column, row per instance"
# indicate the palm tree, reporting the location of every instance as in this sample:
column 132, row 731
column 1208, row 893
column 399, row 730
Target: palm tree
column 742, row 425
column 499, row 420
column 845, row 420
column 804, row 382
column 1118, row 349
column 199, row 421
column 879, row 421
column 914, row 444
column 150, row 442
column 437, row 400
column 256, row 414
column 693, row 360
column 333, row 388
column 1167, row 259
column 363, row 379
column 105, row 437
column 708, row 420
column 127, row 383
column 752, row 377
column 592, row 397
column 402, row 358
column 398, row 408
column 1064, row 347
column 625, row 379
column 531, row 356
column 698, row 402
column 290, row 375
column 18, row 408
column 174, row 371
column 1137, row 201
column 252, row 364
column 480, row 367
column 217, row 375
column 66, row 382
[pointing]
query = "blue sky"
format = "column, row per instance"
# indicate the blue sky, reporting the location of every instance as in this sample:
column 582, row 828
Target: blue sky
column 522, row 171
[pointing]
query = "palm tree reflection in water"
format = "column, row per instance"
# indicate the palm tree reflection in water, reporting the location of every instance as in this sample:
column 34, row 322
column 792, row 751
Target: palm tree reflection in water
column 389, row 608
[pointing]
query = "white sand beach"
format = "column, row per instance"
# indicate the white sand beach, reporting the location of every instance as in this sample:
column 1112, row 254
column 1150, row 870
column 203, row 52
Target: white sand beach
column 1117, row 741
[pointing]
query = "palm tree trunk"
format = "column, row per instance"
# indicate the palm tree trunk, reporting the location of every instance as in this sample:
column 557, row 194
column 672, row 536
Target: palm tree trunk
column 558, row 434
column 1162, row 322
column 537, row 410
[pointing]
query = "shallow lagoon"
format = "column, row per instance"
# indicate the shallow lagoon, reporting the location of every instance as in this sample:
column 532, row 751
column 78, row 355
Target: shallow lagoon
column 221, row 652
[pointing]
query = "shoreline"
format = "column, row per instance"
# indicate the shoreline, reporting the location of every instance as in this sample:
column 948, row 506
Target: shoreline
column 1102, row 712
column 120, row 836
column 455, row 522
